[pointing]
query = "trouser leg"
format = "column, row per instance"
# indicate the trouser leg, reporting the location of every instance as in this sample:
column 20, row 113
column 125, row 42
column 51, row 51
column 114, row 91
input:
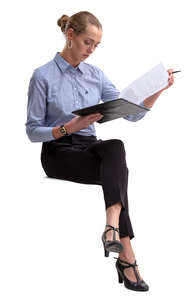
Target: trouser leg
column 113, row 170
column 114, row 178
column 125, row 225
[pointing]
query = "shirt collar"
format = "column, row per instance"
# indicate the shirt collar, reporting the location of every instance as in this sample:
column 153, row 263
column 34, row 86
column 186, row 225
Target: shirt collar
column 64, row 65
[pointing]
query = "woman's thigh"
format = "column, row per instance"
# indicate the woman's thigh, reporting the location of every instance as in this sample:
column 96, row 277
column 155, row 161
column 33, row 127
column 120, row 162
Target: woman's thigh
column 72, row 164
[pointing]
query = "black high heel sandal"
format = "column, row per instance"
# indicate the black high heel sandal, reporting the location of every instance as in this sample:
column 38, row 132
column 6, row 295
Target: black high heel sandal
column 114, row 245
column 140, row 285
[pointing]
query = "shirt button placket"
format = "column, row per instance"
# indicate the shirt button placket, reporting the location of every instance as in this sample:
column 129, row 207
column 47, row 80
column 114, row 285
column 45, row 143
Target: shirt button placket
column 76, row 96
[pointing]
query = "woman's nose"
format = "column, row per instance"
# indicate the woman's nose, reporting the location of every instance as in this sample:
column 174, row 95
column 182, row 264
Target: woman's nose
column 90, row 49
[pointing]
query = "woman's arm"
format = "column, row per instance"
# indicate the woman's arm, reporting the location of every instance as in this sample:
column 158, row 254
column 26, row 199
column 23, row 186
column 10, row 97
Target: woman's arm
column 36, row 110
column 148, row 102
column 77, row 123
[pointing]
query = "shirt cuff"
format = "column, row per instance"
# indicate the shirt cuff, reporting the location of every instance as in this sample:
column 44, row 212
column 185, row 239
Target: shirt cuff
column 40, row 134
column 142, row 104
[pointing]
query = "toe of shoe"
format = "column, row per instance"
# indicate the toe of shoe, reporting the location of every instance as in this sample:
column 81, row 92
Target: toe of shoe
column 144, row 285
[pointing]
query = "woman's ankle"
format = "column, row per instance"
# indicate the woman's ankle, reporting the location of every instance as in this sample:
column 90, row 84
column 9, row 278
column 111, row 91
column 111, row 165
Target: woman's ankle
column 112, row 218
column 127, row 259
column 130, row 257
column 113, row 210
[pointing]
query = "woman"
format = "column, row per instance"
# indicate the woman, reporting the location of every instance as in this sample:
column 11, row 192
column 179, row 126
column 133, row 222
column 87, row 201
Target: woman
column 70, row 148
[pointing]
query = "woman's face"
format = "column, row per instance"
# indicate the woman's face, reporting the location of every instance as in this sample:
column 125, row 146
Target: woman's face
column 84, row 44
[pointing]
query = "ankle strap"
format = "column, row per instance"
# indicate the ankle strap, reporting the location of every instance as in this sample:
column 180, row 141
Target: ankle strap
column 112, row 228
column 128, row 264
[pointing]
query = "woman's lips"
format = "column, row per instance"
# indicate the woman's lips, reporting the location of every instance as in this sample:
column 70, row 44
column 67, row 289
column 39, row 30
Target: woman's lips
column 85, row 55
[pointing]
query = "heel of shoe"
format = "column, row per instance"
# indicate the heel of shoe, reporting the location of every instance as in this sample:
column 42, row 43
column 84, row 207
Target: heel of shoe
column 106, row 253
column 120, row 279
column 111, row 246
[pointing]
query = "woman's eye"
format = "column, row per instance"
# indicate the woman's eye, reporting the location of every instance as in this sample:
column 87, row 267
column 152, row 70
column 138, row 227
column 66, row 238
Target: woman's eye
column 88, row 44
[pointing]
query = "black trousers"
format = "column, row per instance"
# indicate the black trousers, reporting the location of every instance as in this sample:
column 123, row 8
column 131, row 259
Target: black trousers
column 88, row 160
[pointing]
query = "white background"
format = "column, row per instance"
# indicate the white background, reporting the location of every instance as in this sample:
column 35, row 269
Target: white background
column 50, row 230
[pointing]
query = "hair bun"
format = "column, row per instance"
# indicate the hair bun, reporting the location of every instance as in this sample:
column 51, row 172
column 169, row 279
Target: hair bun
column 62, row 22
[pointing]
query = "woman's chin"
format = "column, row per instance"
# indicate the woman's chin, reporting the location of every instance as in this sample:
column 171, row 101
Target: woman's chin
column 85, row 56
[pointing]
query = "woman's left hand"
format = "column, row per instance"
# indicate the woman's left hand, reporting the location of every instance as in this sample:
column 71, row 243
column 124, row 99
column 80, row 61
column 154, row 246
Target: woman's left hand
column 170, row 79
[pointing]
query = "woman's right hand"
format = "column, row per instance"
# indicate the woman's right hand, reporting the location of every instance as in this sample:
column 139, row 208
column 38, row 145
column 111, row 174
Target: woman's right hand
column 82, row 122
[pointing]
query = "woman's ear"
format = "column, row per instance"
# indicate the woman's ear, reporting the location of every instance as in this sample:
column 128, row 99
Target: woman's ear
column 70, row 33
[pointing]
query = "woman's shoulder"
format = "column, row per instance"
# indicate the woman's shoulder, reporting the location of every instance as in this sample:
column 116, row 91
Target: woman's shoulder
column 44, row 71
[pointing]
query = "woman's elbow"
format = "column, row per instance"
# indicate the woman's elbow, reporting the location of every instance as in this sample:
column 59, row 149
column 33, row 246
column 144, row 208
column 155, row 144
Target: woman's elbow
column 31, row 136
column 133, row 118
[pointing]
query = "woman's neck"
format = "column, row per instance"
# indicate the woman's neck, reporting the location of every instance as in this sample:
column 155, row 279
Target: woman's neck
column 66, row 54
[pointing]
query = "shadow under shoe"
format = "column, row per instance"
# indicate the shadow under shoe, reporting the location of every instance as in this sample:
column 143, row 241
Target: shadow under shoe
column 111, row 246
column 140, row 285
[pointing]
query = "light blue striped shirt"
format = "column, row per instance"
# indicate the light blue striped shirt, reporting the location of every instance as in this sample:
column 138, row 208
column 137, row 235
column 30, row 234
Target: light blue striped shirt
column 57, row 88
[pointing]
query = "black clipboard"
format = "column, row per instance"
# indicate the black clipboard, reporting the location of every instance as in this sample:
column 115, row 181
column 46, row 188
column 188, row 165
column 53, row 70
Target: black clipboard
column 111, row 110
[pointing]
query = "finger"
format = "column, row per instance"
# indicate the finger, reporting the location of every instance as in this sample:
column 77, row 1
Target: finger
column 170, row 71
column 171, row 76
column 171, row 82
column 95, row 119
column 90, row 117
column 95, row 115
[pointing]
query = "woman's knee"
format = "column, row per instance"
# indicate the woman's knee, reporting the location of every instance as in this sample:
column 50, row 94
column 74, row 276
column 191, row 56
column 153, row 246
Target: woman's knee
column 111, row 147
column 116, row 143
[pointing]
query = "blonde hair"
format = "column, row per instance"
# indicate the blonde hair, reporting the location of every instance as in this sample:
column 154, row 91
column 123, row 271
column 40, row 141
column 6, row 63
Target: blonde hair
column 78, row 22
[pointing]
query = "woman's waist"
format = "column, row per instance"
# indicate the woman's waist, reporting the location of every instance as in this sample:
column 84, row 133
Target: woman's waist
column 69, row 140
column 76, row 138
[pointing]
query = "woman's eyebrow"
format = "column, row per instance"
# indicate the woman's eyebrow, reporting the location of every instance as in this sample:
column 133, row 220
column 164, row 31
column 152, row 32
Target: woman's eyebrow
column 93, row 40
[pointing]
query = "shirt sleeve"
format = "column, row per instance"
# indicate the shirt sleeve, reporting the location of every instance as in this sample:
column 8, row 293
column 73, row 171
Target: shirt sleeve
column 137, row 116
column 110, row 92
column 108, row 89
column 36, row 128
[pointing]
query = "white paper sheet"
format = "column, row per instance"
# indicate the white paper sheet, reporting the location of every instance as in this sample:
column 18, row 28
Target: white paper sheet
column 146, row 85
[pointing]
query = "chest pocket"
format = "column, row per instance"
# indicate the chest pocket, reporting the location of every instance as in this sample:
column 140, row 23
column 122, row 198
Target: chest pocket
column 91, row 96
